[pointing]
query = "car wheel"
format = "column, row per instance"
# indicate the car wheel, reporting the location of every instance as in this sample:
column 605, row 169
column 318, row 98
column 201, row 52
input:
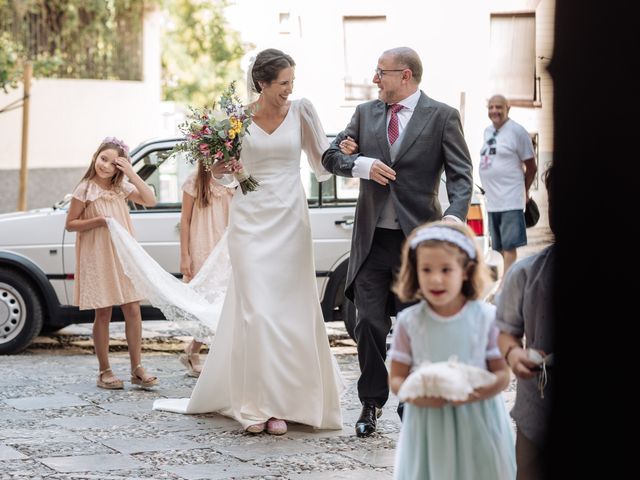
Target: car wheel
column 21, row 313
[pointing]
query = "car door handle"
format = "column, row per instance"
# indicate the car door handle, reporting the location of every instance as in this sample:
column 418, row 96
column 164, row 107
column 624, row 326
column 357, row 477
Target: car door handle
column 346, row 223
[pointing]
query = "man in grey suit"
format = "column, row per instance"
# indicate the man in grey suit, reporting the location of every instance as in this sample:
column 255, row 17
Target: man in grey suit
column 405, row 141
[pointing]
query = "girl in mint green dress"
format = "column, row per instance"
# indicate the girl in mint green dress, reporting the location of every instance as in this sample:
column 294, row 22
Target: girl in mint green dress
column 441, row 440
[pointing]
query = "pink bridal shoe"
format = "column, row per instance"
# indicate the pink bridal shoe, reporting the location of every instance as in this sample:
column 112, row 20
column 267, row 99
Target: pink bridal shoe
column 256, row 428
column 276, row 426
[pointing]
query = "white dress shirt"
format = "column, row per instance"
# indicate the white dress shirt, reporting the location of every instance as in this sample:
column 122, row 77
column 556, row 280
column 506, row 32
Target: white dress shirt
column 362, row 165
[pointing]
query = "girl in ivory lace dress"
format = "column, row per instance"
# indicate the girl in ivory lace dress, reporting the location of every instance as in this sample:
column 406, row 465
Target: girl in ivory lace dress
column 100, row 281
column 270, row 361
column 462, row 440
column 204, row 218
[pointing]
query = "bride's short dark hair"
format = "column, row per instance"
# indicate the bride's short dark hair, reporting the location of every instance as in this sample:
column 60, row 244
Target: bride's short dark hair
column 268, row 65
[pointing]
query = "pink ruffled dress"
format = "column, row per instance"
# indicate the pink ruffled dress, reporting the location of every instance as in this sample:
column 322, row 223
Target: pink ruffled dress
column 99, row 279
column 207, row 223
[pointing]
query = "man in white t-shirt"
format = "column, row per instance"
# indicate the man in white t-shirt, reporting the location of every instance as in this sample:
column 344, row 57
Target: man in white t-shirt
column 507, row 170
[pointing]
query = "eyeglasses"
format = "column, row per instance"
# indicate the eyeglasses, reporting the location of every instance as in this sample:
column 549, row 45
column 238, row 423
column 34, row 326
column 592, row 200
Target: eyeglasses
column 380, row 72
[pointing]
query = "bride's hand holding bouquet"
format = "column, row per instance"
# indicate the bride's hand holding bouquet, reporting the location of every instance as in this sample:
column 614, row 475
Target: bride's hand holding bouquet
column 213, row 137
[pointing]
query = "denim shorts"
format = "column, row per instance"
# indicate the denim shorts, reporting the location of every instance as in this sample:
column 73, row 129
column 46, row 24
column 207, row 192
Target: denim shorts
column 507, row 230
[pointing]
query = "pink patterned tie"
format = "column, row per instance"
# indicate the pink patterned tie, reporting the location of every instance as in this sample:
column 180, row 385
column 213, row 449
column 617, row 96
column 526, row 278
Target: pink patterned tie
column 393, row 129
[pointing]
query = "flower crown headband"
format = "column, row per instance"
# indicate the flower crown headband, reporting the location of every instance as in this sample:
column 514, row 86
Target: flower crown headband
column 117, row 142
column 444, row 234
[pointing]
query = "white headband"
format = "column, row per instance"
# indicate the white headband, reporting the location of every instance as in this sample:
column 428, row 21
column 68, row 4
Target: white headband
column 444, row 234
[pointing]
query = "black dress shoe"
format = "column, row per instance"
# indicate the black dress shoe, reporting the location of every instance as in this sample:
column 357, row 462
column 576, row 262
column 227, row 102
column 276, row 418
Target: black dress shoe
column 366, row 424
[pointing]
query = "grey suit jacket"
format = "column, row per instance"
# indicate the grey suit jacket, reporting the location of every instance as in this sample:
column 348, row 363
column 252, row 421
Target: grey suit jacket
column 432, row 142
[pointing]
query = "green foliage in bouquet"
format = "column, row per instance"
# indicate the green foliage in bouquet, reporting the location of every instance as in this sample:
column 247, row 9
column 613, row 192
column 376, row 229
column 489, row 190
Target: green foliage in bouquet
column 215, row 135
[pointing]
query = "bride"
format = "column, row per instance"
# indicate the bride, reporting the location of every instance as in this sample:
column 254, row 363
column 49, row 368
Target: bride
column 270, row 361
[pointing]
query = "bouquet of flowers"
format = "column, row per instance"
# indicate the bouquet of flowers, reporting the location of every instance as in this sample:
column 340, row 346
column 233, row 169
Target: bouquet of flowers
column 215, row 135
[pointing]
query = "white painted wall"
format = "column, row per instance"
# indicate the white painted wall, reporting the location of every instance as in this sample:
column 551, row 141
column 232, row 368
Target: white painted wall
column 452, row 38
column 69, row 118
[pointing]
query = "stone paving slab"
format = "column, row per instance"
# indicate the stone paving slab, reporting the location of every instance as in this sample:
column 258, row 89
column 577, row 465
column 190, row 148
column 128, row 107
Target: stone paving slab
column 266, row 446
column 92, row 463
column 8, row 453
column 315, row 462
column 305, row 432
column 95, row 421
column 79, row 388
column 350, row 475
column 377, row 458
column 60, row 400
column 39, row 449
column 195, row 424
column 128, row 407
column 25, row 469
column 9, row 418
column 150, row 444
column 28, row 436
column 214, row 471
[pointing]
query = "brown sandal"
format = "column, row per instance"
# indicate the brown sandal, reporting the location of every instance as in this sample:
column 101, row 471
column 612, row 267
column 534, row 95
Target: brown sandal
column 115, row 384
column 193, row 369
column 144, row 382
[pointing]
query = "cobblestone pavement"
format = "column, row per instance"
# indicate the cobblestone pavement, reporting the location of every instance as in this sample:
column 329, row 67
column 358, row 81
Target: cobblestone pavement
column 55, row 423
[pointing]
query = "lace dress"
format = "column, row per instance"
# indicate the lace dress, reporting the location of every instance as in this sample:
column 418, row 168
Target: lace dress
column 271, row 356
column 467, row 442
column 207, row 223
column 100, row 280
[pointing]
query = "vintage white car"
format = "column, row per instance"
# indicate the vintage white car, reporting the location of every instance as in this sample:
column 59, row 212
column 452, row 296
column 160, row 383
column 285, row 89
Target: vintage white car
column 37, row 256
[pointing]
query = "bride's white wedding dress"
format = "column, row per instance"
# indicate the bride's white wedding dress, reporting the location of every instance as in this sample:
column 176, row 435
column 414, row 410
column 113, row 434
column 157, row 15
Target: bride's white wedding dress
column 270, row 356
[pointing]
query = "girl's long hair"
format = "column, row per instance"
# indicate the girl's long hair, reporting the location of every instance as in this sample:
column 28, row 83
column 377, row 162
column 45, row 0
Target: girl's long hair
column 203, row 186
column 117, row 178
column 407, row 287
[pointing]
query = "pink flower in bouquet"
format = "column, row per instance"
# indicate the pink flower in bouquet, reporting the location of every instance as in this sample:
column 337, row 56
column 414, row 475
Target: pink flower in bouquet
column 219, row 131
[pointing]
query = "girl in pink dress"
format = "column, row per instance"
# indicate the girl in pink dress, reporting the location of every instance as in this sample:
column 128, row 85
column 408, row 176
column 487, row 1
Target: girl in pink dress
column 205, row 215
column 100, row 281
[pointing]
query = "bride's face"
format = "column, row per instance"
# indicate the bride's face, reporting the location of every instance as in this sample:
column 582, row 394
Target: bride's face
column 278, row 91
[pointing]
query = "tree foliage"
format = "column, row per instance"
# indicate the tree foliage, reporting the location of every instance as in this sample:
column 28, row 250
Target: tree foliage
column 102, row 39
column 10, row 65
column 200, row 54
column 71, row 38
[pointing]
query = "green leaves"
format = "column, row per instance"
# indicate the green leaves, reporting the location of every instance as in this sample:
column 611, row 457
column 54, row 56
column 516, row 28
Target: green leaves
column 10, row 70
column 103, row 39
column 200, row 54
column 72, row 38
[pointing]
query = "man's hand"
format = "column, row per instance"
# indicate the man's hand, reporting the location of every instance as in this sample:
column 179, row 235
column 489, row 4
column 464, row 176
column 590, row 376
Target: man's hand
column 348, row 146
column 521, row 366
column 381, row 173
